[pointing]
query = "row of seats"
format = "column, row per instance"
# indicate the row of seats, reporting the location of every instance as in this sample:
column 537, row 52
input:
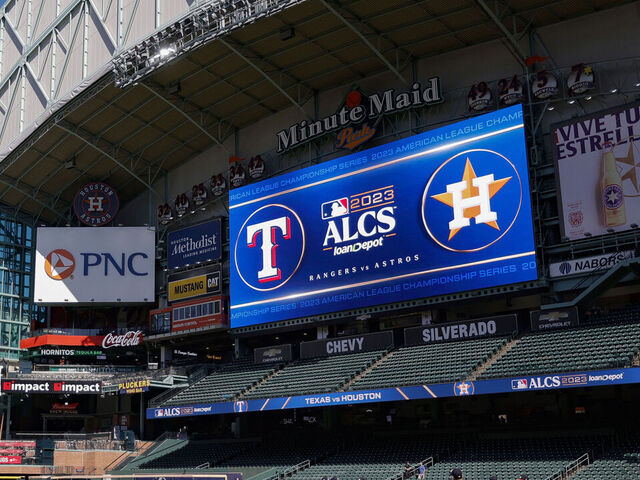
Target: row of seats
column 194, row 454
column 508, row 458
column 222, row 385
column 435, row 363
column 623, row 462
column 316, row 375
column 587, row 348
column 606, row 346
column 374, row 460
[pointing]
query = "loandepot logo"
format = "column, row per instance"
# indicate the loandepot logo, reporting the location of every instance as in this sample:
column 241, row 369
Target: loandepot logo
column 59, row 264
column 269, row 247
column 472, row 200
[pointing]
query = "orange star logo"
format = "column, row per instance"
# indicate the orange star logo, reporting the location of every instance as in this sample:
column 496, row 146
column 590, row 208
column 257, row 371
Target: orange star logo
column 471, row 192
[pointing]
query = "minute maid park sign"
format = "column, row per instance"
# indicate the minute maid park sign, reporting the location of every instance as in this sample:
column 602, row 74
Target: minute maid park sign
column 352, row 119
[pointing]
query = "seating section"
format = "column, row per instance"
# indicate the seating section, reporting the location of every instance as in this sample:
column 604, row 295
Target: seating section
column 316, row 375
column 222, row 385
column 509, row 458
column 278, row 455
column 375, row 460
column 435, row 363
column 606, row 346
column 195, row 454
column 621, row 463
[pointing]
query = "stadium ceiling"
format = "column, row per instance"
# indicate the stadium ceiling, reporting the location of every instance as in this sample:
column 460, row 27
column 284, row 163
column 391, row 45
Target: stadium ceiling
column 130, row 137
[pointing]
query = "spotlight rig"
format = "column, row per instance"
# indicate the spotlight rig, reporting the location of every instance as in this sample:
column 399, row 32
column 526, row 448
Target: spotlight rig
column 201, row 25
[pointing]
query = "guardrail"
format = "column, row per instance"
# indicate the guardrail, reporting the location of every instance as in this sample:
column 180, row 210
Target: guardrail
column 196, row 376
column 427, row 462
column 571, row 468
column 290, row 471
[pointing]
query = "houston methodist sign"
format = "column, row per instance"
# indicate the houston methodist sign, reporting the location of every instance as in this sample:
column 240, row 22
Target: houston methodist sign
column 440, row 212
column 90, row 265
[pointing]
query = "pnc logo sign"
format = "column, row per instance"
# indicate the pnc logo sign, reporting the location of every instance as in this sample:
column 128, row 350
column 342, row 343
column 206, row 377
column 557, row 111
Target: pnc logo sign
column 479, row 192
column 59, row 264
column 269, row 247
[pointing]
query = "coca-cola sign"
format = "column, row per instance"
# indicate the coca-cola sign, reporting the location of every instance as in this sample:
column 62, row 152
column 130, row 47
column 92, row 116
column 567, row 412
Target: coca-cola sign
column 128, row 339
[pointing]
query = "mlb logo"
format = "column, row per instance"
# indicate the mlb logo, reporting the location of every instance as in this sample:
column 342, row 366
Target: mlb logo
column 159, row 413
column 521, row 384
column 335, row 208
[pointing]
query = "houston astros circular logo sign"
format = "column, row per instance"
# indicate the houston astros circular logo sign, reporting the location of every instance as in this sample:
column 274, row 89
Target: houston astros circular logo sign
column 59, row 264
column 472, row 200
column 96, row 204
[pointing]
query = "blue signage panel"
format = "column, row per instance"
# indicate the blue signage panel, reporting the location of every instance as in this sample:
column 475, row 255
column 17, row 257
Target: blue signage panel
column 198, row 243
column 551, row 381
column 440, row 212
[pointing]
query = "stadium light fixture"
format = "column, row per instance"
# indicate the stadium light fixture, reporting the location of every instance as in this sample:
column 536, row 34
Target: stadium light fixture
column 614, row 90
column 212, row 20
column 587, row 234
column 634, row 225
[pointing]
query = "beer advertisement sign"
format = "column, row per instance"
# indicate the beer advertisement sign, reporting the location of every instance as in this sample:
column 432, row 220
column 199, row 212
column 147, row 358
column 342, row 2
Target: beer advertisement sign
column 605, row 149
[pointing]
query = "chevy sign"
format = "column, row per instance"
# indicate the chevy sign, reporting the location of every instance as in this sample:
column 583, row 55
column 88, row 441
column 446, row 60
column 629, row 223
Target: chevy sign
column 94, row 265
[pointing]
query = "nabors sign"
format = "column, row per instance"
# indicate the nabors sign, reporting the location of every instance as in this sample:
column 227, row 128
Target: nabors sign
column 359, row 111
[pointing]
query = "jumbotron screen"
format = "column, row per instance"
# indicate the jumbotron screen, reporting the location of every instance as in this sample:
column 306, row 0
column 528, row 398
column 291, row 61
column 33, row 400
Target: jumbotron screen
column 440, row 212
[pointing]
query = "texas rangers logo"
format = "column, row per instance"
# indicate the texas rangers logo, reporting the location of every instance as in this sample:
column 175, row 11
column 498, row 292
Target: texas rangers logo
column 96, row 204
column 269, row 247
column 461, row 389
column 479, row 192
column 240, row 406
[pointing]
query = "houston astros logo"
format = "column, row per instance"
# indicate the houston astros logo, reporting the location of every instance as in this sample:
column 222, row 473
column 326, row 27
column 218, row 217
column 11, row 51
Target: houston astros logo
column 96, row 204
column 461, row 389
column 480, row 192
column 59, row 264
column 269, row 247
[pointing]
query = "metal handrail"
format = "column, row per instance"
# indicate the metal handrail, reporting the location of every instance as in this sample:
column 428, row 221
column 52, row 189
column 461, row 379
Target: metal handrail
column 204, row 465
column 571, row 468
column 427, row 462
column 198, row 375
column 291, row 470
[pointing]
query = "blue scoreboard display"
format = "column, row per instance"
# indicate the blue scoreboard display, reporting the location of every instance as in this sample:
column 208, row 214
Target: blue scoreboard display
column 441, row 212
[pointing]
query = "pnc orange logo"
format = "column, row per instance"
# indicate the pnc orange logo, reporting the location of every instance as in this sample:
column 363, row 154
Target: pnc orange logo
column 59, row 264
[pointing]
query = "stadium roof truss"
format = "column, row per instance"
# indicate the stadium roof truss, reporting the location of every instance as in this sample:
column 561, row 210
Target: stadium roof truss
column 226, row 70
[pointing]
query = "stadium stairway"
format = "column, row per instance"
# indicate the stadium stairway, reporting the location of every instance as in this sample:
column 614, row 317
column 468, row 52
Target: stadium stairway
column 621, row 462
column 160, row 448
column 259, row 383
column 493, row 359
column 386, row 356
